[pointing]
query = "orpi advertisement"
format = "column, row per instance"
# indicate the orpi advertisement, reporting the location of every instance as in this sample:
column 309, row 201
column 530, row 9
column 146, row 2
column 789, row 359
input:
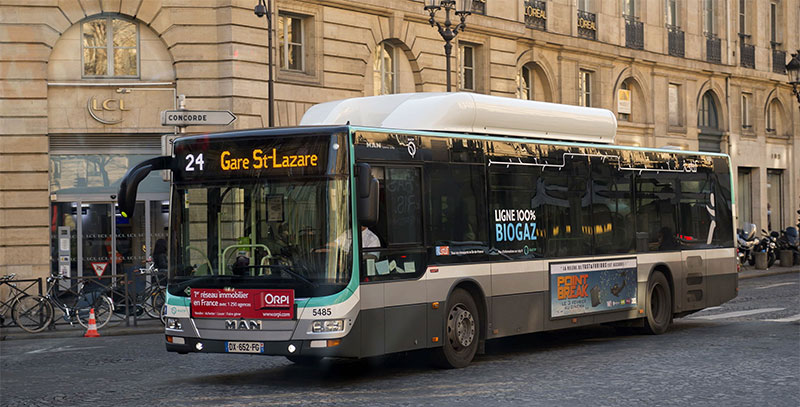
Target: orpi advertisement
column 587, row 287
column 250, row 304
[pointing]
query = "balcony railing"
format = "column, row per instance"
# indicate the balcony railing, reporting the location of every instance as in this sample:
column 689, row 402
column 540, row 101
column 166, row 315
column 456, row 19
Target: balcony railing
column 634, row 33
column 778, row 60
column 587, row 25
column 713, row 49
column 747, row 52
column 536, row 14
column 676, row 41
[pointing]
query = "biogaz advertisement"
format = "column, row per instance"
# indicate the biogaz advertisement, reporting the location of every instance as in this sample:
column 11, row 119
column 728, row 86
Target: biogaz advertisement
column 579, row 288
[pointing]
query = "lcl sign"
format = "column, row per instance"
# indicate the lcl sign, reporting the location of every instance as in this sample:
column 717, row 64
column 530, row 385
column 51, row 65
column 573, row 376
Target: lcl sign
column 108, row 105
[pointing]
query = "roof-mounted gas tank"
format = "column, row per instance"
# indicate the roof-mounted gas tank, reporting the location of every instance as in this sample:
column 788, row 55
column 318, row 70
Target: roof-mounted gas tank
column 469, row 113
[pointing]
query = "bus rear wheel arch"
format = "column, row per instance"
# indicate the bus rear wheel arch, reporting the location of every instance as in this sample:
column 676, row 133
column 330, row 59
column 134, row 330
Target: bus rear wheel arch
column 462, row 330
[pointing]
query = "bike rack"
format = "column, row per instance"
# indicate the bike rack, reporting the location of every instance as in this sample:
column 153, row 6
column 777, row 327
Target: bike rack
column 14, row 291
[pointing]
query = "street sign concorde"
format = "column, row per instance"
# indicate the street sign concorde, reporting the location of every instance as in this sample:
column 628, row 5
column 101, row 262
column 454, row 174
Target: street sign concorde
column 183, row 118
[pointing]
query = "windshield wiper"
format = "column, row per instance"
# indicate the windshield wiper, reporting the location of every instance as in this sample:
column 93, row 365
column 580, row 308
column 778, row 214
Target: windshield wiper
column 288, row 270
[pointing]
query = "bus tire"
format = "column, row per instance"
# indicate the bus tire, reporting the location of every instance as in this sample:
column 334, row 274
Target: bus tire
column 305, row 360
column 462, row 331
column 659, row 304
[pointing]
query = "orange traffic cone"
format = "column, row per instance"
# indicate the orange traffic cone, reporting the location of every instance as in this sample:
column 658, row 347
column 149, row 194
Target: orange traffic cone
column 92, row 331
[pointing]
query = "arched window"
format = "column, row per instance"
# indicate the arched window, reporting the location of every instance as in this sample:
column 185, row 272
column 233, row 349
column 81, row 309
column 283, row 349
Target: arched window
column 707, row 117
column 110, row 47
column 624, row 87
column 772, row 115
column 384, row 68
column 525, row 83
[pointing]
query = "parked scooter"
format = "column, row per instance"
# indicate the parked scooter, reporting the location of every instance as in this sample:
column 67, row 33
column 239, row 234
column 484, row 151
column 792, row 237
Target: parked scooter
column 768, row 245
column 746, row 241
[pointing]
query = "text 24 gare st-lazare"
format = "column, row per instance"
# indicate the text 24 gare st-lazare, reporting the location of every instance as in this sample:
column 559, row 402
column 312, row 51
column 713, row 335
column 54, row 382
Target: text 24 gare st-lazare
column 262, row 160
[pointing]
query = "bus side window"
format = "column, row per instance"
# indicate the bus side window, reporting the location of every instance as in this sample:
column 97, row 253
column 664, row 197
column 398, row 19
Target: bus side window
column 656, row 213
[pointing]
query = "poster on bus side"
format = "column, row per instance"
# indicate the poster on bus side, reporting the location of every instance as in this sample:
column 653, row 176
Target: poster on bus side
column 579, row 288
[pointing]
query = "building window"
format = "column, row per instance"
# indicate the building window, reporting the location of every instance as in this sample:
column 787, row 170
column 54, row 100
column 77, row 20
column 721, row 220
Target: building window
column 467, row 68
column 672, row 13
column 626, row 93
column 708, row 17
column 772, row 111
column 384, row 69
column 744, row 196
column 479, row 7
column 585, row 5
column 110, row 48
column 773, row 23
column 525, row 83
column 774, row 200
column 742, row 17
column 629, row 8
column 746, row 98
column 674, row 106
column 585, row 88
column 291, row 42
column 707, row 117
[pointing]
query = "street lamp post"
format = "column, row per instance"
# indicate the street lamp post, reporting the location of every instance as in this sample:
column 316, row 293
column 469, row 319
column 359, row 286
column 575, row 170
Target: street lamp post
column 262, row 10
column 793, row 70
column 448, row 30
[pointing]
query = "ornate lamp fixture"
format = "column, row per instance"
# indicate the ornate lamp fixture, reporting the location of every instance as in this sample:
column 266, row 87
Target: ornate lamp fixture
column 448, row 30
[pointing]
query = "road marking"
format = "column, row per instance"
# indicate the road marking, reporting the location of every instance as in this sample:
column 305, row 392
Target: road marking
column 787, row 319
column 774, row 285
column 62, row 349
column 738, row 313
column 711, row 308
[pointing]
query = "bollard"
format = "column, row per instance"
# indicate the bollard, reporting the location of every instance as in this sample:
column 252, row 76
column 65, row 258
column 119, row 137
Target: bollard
column 761, row 260
column 786, row 257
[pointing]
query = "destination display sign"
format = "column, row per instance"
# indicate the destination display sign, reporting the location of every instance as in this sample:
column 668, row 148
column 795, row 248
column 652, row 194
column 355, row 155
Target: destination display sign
column 210, row 158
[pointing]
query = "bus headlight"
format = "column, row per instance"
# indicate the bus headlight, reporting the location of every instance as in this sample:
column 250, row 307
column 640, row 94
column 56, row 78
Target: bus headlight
column 331, row 325
column 173, row 323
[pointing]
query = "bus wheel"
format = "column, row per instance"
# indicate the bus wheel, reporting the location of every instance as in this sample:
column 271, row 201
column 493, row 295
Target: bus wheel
column 304, row 360
column 659, row 304
column 462, row 330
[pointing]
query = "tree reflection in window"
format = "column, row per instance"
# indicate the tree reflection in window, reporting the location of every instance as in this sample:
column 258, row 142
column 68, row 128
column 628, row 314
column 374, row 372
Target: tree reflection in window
column 110, row 47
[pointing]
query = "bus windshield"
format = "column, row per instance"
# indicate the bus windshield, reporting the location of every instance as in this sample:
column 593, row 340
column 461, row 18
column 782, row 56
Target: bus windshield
column 262, row 234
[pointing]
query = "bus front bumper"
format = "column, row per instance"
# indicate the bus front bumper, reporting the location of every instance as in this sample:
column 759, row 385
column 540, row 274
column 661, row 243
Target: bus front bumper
column 346, row 347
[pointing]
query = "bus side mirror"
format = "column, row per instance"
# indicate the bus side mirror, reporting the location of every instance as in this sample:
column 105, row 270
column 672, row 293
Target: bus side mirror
column 367, row 194
column 130, row 182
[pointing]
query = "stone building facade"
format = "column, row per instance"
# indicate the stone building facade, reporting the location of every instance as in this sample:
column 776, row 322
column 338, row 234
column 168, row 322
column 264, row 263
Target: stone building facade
column 82, row 83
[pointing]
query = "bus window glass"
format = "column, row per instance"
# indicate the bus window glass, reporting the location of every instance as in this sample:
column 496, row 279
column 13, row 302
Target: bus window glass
column 695, row 207
column 456, row 208
column 612, row 207
column 403, row 205
column 512, row 219
column 564, row 205
column 655, row 212
column 723, row 235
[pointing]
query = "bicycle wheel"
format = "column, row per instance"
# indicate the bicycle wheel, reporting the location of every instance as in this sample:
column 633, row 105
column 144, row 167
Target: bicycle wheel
column 103, row 308
column 32, row 313
column 156, row 303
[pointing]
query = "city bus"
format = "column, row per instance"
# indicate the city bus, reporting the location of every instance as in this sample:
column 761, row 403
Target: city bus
column 434, row 221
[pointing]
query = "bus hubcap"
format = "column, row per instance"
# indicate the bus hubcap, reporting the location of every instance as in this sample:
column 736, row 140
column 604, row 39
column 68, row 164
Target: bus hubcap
column 460, row 327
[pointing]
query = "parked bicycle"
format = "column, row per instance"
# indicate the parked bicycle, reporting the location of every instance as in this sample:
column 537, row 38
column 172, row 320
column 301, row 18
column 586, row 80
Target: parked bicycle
column 149, row 300
column 35, row 313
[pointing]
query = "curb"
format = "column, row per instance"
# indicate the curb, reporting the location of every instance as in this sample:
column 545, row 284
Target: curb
column 767, row 273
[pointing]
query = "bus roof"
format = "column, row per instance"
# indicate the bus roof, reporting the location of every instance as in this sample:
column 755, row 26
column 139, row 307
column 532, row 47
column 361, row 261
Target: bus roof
column 469, row 113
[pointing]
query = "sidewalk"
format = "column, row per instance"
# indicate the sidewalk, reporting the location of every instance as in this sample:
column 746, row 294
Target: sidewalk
column 146, row 326
column 151, row 326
